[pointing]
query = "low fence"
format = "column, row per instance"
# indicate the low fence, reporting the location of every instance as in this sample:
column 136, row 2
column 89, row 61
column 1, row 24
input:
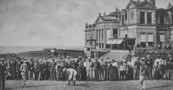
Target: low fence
column 152, row 50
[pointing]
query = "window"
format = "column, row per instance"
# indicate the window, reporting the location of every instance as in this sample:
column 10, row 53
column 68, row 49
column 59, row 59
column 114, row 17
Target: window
column 97, row 35
column 122, row 19
column 149, row 18
column 91, row 43
column 102, row 35
column 91, row 36
column 150, row 39
column 172, row 18
column 126, row 16
column 115, row 33
column 162, row 38
column 102, row 45
column 132, row 15
column 142, row 17
column 161, row 18
column 143, row 37
column 171, row 36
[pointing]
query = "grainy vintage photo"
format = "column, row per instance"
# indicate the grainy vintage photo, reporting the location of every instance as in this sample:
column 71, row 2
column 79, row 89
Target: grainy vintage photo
column 86, row 44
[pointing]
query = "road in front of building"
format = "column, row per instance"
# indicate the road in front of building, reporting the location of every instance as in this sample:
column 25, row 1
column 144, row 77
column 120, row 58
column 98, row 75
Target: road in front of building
column 90, row 85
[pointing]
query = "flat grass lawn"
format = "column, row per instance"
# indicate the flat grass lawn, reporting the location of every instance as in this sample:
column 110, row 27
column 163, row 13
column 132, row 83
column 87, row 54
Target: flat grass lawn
column 90, row 85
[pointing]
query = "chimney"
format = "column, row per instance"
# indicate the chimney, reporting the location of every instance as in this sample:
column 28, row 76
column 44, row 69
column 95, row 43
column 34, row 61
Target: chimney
column 131, row 0
column 86, row 25
column 153, row 2
column 100, row 14
column 169, row 5
column 104, row 13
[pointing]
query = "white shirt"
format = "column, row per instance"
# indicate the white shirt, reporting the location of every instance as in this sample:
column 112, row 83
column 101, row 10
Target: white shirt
column 71, row 72
column 88, row 65
column 115, row 64
column 159, row 60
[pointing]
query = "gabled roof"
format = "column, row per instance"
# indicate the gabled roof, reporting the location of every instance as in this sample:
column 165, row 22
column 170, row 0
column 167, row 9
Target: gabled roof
column 106, row 18
column 141, row 4
column 114, row 13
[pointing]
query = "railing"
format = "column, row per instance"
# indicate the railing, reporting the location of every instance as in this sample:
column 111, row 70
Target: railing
column 152, row 50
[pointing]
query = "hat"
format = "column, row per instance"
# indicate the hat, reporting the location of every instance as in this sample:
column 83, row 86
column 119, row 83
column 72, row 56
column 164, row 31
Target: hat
column 158, row 55
column 133, row 54
column 142, row 58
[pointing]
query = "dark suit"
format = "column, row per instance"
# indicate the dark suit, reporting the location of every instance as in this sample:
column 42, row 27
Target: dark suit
column 2, row 75
column 96, row 68
column 170, row 67
column 149, row 63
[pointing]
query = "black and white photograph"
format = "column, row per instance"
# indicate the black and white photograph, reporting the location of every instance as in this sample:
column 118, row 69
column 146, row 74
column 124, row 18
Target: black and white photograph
column 86, row 44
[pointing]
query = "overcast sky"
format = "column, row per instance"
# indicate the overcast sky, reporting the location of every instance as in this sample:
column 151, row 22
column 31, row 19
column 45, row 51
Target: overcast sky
column 52, row 22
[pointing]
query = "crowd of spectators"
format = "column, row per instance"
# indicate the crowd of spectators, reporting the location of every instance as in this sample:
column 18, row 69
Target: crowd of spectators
column 90, row 69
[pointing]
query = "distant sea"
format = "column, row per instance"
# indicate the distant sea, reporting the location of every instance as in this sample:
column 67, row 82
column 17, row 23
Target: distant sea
column 18, row 49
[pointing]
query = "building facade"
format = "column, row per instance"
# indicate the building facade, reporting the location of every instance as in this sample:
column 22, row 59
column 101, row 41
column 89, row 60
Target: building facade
column 141, row 23
column 101, row 34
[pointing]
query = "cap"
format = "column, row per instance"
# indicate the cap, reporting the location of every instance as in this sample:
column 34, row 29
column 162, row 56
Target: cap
column 133, row 54
column 142, row 58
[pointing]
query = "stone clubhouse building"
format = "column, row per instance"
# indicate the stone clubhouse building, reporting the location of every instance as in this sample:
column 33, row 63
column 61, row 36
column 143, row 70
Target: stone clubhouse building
column 141, row 22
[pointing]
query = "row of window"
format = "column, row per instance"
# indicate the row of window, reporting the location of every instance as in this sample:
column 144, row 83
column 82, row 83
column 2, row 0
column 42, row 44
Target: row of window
column 145, row 21
column 100, row 45
column 99, row 35
column 146, row 18
column 161, row 18
column 146, row 37
column 142, row 17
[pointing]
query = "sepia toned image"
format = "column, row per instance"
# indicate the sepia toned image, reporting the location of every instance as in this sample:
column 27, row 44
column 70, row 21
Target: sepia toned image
column 86, row 44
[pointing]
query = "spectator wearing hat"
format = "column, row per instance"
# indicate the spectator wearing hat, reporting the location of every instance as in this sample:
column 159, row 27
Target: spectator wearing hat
column 149, row 63
column 142, row 72
column 170, row 66
column 96, row 66
column 136, row 68
column 108, row 70
column 79, row 69
column 58, row 70
column 30, row 69
column 114, row 69
column 36, row 70
column 89, row 69
column 18, row 69
column 103, row 69
column 161, row 64
column 165, row 69
column 156, row 69
column 24, row 70
column 122, row 70
column 47, row 72
column 2, row 74
column 52, row 70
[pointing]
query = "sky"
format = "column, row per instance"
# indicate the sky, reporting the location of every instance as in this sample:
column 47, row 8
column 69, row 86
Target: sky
column 52, row 22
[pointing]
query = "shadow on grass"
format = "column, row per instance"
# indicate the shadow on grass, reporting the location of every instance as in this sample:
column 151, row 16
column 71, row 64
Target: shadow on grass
column 163, row 86
column 31, row 86
column 86, row 85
